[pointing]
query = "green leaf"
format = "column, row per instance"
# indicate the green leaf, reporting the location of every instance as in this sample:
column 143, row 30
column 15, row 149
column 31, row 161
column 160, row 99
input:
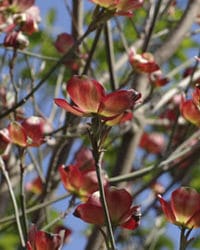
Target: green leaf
column 9, row 241
column 51, row 17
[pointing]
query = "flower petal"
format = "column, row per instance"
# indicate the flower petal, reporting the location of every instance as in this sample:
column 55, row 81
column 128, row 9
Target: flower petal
column 131, row 219
column 90, row 213
column 196, row 95
column 185, row 202
column 131, row 224
column 153, row 142
column 110, row 4
column 47, row 241
column 35, row 128
column 90, row 182
column 40, row 240
column 129, row 5
column 17, row 134
column 119, row 202
column 166, row 207
column 64, row 42
column 35, row 186
column 86, row 93
column 65, row 105
column 194, row 221
column 118, row 102
column 119, row 119
column 190, row 111
column 71, row 177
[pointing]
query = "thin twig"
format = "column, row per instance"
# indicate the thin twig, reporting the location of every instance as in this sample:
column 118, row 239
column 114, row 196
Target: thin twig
column 19, row 227
column 110, row 55
column 22, row 194
column 35, row 208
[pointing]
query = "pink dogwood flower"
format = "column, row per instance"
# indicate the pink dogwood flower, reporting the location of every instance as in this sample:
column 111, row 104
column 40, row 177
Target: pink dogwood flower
column 78, row 182
column 153, row 142
column 41, row 240
column 119, row 203
column 183, row 209
column 64, row 42
column 90, row 99
column 196, row 95
column 30, row 132
column 144, row 62
column 190, row 111
column 35, row 186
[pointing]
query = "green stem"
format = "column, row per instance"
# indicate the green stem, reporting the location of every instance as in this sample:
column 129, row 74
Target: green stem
column 5, row 173
column 103, row 200
column 151, row 24
column 182, row 239
column 110, row 55
column 131, row 176
column 97, row 136
column 22, row 196
column 104, row 236
column 92, row 51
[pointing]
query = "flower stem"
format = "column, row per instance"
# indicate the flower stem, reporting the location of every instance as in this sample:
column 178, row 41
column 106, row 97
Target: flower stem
column 5, row 173
column 103, row 200
column 182, row 239
column 97, row 137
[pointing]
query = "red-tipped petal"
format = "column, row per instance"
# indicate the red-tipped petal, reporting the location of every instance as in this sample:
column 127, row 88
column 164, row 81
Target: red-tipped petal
column 194, row 221
column 65, row 105
column 119, row 202
column 119, row 119
column 71, row 177
column 118, row 102
column 166, row 207
column 110, row 4
column 90, row 213
column 17, row 134
column 185, row 202
column 153, row 142
column 131, row 224
column 41, row 240
column 129, row 5
column 35, row 186
column 196, row 95
column 35, row 128
column 86, row 93
column 131, row 219
column 190, row 112
column 47, row 241
column 64, row 42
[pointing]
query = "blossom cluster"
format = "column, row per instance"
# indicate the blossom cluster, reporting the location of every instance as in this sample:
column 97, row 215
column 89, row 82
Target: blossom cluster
column 145, row 63
column 183, row 209
column 81, row 180
column 30, row 132
column 18, row 19
column 190, row 108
